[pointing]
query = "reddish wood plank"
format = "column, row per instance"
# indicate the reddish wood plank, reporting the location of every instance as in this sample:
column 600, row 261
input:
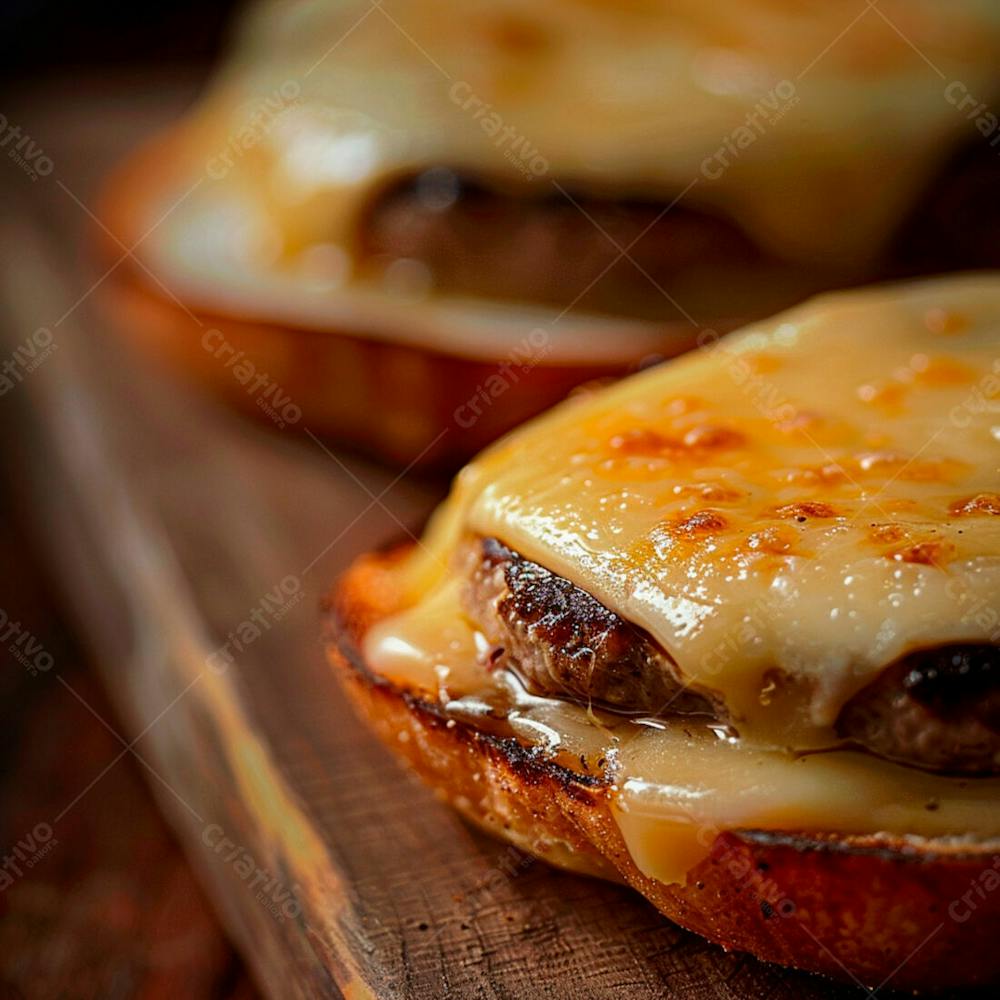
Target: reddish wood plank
column 96, row 898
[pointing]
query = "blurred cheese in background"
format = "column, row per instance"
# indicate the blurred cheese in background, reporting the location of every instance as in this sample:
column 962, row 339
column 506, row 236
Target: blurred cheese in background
column 420, row 204
column 634, row 99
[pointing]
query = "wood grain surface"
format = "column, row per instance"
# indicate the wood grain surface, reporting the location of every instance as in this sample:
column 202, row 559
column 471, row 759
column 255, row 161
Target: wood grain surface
column 193, row 548
column 105, row 906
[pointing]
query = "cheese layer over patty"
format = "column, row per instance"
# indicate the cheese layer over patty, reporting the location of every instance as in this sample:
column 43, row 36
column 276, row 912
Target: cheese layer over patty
column 786, row 511
column 642, row 98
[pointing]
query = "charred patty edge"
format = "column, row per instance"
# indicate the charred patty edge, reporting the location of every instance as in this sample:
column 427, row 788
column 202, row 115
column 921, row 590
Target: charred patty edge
column 937, row 708
column 564, row 643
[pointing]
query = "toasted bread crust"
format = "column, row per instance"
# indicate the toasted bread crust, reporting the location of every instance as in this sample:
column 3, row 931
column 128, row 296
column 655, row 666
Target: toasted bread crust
column 331, row 378
column 852, row 907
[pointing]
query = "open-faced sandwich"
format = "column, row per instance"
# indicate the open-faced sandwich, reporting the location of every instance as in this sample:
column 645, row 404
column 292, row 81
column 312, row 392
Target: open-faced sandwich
column 413, row 224
column 729, row 631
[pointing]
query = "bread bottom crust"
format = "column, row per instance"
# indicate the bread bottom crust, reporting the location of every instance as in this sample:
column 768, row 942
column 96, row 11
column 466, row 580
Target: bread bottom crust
column 404, row 404
column 857, row 908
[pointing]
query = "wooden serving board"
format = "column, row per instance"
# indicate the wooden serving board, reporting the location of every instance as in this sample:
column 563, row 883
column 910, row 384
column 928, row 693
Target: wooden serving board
column 193, row 547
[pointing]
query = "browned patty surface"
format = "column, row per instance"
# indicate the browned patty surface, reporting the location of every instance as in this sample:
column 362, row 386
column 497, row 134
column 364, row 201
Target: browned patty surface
column 546, row 249
column 937, row 708
column 559, row 247
column 565, row 643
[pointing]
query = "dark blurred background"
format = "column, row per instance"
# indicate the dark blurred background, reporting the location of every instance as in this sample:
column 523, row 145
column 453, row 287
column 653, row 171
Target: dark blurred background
column 113, row 909
column 38, row 39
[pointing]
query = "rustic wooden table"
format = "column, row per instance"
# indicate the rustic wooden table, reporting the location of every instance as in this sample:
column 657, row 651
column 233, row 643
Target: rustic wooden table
column 177, row 530
column 108, row 906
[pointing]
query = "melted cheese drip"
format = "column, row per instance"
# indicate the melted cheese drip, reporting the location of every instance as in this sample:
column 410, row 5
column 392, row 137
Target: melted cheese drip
column 678, row 790
column 675, row 784
column 787, row 512
column 814, row 125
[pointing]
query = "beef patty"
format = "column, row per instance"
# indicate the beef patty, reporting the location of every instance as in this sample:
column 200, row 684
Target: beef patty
column 937, row 709
column 565, row 643
column 482, row 240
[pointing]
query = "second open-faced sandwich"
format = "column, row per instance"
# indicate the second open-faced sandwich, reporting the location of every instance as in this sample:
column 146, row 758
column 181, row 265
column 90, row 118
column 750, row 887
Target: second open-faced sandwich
column 730, row 631
column 413, row 224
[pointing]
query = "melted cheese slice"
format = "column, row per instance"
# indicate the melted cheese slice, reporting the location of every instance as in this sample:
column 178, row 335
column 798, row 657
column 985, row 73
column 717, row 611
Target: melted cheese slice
column 787, row 512
column 675, row 784
column 640, row 98
column 814, row 125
